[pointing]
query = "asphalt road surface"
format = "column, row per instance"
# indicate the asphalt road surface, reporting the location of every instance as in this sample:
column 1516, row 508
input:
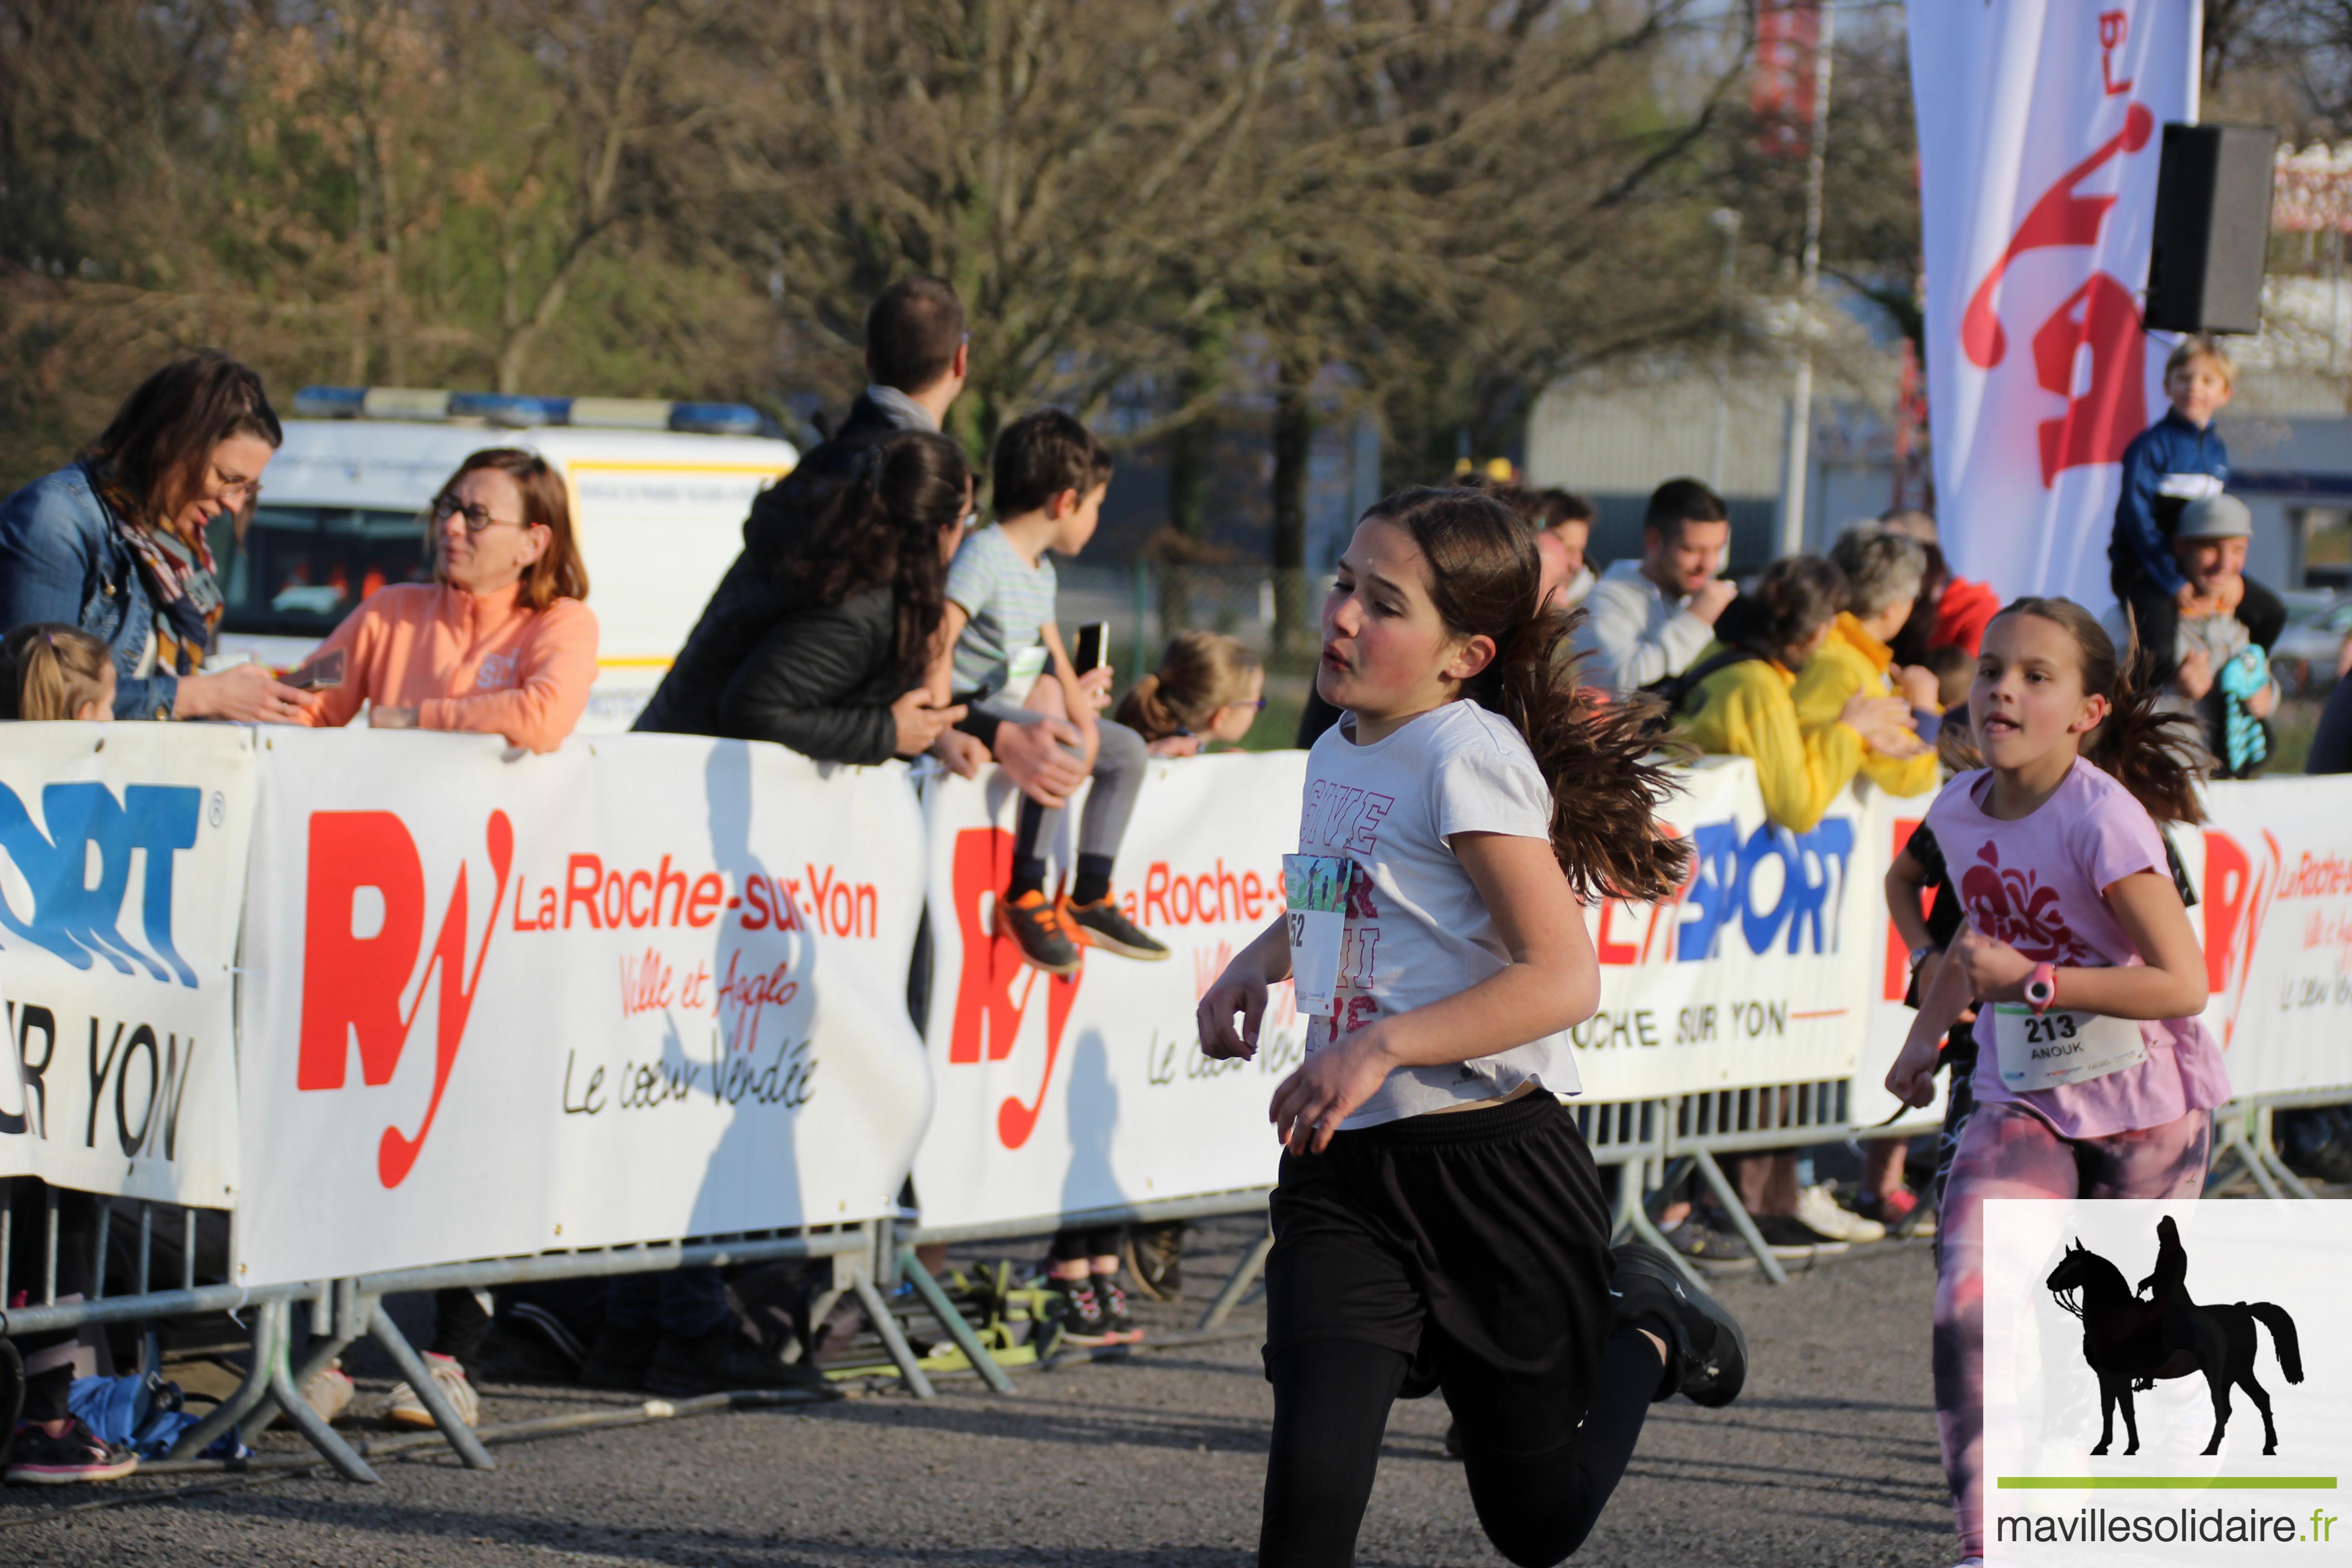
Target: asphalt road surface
column 1155, row 1459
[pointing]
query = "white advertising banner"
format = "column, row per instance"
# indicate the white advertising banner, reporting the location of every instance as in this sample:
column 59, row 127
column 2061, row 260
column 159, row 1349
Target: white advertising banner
column 1056, row 1096
column 2276, row 917
column 122, row 851
column 646, row 987
column 2040, row 131
column 1757, row 972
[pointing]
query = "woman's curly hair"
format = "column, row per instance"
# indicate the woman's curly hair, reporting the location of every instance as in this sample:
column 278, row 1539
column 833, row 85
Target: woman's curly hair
column 878, row 526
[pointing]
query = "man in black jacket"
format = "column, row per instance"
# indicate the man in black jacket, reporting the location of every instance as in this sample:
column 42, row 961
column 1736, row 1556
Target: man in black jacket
column 917, row 352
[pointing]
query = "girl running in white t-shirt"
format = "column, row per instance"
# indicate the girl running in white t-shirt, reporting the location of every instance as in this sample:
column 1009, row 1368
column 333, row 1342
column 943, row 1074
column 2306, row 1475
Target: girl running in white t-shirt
column 2093, row 1077
column 1438, row 1222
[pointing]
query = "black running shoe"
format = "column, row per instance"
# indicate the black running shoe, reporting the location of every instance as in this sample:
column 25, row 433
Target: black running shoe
column 1081, row 1311
column 723, row 1361
column 1099, row 925
column 1036, row 925
column 617, row 1359
column 37, row 1460
column 1117, row 1327
column 1709, row 1364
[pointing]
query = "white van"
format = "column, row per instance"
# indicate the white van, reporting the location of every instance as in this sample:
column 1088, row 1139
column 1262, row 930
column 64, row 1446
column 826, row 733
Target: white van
column 659, row 515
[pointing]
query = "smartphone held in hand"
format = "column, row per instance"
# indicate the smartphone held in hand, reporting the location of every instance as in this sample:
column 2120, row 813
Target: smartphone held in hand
column 1092, row 649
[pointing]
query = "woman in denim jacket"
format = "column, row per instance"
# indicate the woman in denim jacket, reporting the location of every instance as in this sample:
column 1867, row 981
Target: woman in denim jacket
column 114, row 543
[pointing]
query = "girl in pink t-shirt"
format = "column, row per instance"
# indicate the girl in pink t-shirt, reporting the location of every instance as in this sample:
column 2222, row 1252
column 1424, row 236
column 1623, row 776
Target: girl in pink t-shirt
column 2094, row 1077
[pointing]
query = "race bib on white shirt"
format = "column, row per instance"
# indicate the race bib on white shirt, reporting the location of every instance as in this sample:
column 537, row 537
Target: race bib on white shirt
column 2048, row 1050
column 1315, row 910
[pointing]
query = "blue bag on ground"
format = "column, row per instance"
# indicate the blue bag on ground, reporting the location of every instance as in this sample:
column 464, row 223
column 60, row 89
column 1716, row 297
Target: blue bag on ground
column 144, row 1414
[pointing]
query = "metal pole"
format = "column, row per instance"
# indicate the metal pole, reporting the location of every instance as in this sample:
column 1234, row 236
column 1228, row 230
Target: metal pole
column 103, row 1241
column 461, row 1437
column 911, row 1267
column 1238, row 1282
column 1737, row 1213
column 893, row 1340
column 1726, row 223
column 1800, row 399
column 267, row 1319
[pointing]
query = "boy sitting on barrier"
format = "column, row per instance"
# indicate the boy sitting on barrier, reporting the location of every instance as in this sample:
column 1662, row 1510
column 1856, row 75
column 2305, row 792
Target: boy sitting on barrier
column 1001, row 643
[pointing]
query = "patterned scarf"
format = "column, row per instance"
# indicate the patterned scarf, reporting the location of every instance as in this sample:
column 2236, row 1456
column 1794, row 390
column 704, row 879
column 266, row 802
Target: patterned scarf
column 180, row 580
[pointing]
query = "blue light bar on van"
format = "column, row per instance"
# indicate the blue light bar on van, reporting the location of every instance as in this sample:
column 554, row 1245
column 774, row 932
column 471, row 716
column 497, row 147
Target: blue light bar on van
column 511, row 409
column 517, row 411
column 714, row 418
column 330, row 402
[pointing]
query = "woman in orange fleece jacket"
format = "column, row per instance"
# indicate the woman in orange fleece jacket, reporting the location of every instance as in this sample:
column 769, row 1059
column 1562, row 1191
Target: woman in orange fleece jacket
column 501, row 643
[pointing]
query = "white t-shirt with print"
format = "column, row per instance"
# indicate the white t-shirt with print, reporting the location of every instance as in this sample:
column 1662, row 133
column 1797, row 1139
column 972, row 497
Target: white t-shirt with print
column 1417, row 931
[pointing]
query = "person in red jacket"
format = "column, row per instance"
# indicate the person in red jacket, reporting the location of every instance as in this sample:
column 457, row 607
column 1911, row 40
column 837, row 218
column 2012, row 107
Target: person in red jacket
column 1951, row 612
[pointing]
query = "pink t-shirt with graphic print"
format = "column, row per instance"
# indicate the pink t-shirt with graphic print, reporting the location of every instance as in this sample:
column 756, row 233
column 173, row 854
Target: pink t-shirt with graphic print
column 1417, row 931
column 2038, row 884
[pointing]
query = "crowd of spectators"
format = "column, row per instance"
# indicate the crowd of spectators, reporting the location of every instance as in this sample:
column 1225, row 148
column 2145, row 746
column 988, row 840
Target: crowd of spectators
column 870, row 615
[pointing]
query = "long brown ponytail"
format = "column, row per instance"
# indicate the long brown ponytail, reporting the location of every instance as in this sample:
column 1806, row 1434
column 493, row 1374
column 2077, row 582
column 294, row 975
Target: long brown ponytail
column 2151, row 752
column 1608, row 778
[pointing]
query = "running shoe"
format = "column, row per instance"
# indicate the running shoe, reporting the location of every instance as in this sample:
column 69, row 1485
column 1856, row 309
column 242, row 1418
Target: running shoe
column 329, row 1390
column 1820, row 1209
column 1099, row 925
column 1900, row 1211
column 1789, row 1237
column 38, row 1460
column 406, row 1409
column 1709, row 1361
column 723, row 1361
column 1081, row 1313
column 617, row 1359
column 1036, row 925
column 1694, row 1238
column 1117, row 1327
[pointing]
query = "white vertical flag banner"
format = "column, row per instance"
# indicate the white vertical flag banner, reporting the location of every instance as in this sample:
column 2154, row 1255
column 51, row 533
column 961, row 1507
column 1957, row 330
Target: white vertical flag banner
column 2041, row 129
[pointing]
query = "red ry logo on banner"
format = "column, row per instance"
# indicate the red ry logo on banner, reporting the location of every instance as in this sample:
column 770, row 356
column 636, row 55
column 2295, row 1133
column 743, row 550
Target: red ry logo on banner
column 351, row 984
column 2101, row 316
column 986, row 1016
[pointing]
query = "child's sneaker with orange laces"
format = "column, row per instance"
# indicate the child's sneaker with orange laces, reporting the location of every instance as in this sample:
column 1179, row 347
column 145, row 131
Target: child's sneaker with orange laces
column 1100, row 924
column 1036, row 925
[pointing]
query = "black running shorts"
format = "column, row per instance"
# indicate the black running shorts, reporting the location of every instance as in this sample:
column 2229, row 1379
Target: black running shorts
column 1474, row 1242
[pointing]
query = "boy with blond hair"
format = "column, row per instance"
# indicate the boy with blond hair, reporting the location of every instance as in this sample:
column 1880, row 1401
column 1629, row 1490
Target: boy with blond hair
column 2179, row 459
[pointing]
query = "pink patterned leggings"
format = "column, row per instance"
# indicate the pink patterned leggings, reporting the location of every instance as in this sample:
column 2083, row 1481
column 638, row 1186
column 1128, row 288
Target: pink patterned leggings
column 2009, row 1152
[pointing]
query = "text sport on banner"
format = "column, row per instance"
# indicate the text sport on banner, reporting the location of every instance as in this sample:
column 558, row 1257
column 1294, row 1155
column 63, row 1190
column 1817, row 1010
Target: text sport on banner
column 122, row 851
column 646, row 987
column 1755, row 973
column 2040, row 131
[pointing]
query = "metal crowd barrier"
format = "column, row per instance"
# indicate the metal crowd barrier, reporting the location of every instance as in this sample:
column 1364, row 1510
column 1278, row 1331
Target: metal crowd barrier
column 2242, row 1129
column 345, row 1310
column 1651, row 1142
column 901, row 1243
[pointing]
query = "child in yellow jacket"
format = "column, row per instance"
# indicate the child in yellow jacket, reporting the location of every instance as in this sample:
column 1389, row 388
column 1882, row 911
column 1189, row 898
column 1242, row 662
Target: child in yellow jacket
column 1883, row 573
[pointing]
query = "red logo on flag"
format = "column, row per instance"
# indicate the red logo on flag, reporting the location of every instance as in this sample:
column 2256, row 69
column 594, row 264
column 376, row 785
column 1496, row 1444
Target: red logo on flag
column 2101, row 316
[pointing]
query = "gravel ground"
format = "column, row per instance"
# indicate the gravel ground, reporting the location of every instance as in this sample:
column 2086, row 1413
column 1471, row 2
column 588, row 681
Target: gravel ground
column 1156, row 1459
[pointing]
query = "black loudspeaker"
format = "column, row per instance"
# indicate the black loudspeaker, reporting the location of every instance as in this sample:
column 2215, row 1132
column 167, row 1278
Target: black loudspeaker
column 2212, row 228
